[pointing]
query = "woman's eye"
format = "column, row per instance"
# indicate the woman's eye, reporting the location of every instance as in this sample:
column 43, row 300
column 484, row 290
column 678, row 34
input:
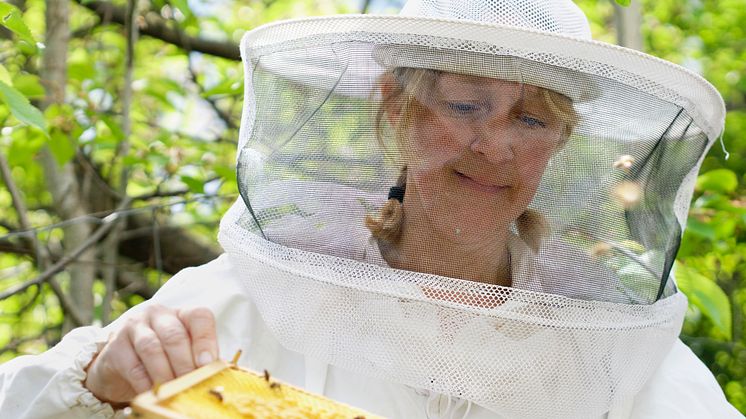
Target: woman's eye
column 532, row 122
column 464, row 108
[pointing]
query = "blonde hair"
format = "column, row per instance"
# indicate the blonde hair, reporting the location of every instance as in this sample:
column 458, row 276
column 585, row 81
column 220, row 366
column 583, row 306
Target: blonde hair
column 399, row 88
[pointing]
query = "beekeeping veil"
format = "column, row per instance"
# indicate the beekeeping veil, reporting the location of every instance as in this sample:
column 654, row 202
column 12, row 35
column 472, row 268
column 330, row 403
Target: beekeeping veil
column 570, row 161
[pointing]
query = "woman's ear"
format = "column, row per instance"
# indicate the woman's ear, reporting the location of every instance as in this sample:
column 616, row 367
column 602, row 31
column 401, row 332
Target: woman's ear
column 391, row 92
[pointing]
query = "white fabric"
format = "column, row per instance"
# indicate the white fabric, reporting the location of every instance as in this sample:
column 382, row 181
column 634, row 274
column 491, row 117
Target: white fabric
column 381, row 322
column 554, row 16
column 49, row 385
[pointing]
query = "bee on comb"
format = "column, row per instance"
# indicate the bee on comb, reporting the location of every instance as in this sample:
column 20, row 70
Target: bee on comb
column 223, row 389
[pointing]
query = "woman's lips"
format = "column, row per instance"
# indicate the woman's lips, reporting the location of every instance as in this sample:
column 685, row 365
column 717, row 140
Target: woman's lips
column 479, row 185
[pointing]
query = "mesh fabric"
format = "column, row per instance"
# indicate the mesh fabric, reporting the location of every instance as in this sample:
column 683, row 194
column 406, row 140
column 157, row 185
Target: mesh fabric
column 564, row 164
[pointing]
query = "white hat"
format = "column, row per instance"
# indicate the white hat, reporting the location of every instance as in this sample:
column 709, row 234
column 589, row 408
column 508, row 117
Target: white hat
column 551, row 38
column 560, row 17
column 555, row 16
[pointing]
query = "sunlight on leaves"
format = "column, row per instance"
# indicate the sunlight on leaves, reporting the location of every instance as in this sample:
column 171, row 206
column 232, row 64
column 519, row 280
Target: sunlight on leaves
column 21, row 108
column 12, row 19
column 707, row 296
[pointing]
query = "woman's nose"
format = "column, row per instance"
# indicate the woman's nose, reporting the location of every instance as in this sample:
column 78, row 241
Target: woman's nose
column 494, row 142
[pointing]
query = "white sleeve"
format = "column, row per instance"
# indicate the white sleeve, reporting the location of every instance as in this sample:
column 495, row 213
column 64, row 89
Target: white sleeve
column 50, row 385
column 682, row 388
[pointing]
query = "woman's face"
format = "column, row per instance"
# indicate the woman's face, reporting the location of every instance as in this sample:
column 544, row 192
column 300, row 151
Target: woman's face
column 475, row 150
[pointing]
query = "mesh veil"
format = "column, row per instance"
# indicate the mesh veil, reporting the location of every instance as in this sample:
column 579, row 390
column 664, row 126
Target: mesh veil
column 599, row 145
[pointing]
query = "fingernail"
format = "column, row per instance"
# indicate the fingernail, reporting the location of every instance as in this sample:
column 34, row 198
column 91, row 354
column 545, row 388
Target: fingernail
column 204, row 358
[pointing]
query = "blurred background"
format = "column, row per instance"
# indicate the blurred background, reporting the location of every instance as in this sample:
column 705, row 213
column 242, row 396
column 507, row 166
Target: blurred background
column 118, row 128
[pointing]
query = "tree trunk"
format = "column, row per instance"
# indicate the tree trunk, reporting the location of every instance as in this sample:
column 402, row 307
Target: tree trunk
column 628, row 23
column 61, row 180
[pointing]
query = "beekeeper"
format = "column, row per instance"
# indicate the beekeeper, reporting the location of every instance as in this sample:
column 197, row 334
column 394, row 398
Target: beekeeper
column 468, row 210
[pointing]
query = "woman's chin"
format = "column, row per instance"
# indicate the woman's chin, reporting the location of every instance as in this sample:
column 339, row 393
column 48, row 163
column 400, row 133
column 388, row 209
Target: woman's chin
column 473, row 232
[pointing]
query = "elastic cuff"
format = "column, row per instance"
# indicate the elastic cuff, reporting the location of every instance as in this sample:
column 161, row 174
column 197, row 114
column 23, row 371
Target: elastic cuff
column 76, row 375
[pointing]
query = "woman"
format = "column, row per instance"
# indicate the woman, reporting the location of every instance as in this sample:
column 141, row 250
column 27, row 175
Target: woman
column 503, row 285
column 474, row 152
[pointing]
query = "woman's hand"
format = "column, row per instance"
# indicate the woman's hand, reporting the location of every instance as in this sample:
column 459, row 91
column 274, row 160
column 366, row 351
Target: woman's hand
column 154, row 346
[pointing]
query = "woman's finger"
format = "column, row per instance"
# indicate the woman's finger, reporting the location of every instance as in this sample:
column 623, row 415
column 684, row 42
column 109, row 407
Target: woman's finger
column 116, row 374
column 174, row 339
column 200, row 324
column 128, row 366
column 149, row 350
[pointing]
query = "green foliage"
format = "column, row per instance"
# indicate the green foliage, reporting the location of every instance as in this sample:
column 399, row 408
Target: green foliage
column 718, row 181
column 21, row 108
column 712, row 271
column 180, row 159
column 177, row 145
column 704, row 294
column 12, row 19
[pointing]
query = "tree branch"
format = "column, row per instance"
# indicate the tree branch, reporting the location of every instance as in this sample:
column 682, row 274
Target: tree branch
column 157, row 27
column 8, row 246
column 133, row 283
column 15, row 343
column 366, row 6
column 41, row 255
column 224, row 116
column 111, row 244
column 67, row 259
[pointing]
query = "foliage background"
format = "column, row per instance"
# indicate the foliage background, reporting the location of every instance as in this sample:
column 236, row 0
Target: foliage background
column 137, row 146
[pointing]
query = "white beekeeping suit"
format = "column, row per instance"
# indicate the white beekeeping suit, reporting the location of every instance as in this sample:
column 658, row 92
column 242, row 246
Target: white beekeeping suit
column 469, row 210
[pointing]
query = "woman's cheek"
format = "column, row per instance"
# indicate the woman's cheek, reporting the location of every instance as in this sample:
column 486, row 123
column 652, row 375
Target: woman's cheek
column 433, row 146
column 532, row 166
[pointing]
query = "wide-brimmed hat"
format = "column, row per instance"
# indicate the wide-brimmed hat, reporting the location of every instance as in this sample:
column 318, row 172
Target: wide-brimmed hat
column 559, row 17
column 540, row 42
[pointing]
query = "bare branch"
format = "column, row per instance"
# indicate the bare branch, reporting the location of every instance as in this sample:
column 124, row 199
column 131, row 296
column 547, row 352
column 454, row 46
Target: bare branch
column 133, row 283
column 16, row 343
column 8, row 246
column 109, row 223
column 164, row 194
column 366, row 6
column 224, row 116
column 66, row 303
column 157, row 27
column 120, row 212
column 15, row 194
column 111, row 245
column 41, row 255
column 160, row 194
column 30, row 303
column 735, row 106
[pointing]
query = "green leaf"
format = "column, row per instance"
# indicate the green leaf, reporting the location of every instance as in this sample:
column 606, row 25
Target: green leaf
column 24, row 146
column 707, row 296
column 5, row 76
column 226, row 87
column 704, row 230
column 113, row 124
column 183, row 6
column 194, row 184
column 225, row 172
column 720, row 180
column 11, row 18
column 61, row 147
column 21, row 108
column 29, row 85
column 81, row 70
column 624, row 3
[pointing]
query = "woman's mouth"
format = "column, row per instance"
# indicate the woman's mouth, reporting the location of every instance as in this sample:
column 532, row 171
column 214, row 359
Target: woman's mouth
column 478, row 184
